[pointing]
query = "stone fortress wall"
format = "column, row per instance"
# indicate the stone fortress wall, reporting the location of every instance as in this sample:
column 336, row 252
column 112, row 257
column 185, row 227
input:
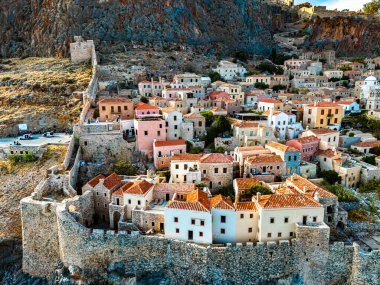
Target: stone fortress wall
column 55, row 231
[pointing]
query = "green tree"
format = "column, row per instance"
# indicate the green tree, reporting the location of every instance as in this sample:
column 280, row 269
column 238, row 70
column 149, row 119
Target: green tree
column 214, row 76
column 144, row 99
column 247, row 196
column 227, row 191
column 371, row 159
column 345, row 68
column 342, row 194
column 195, row 150
column 372, row 7
column 124, row 168
column 209, row 116
column 222, row 124
column 261, row 85
column 330, row 176
column 278, row 87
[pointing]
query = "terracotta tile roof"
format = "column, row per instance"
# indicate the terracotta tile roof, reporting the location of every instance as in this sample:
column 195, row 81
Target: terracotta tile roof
column 138, row 187
column 286, row 190
column 326, row 153
column 345, row 102
column 112, row 181
column 217, row 109
column 324, row 104
column 216, row 158
column 245, row 206
column 144, row 106
column 282, row 147
column 193, row 115
column 367, row 144
column 187, row 157
column 304, row 186
column 287, row 201
column 115, row 100
column 94, row 181
column 245, row 124
column 249, row 148
column 174, row 187
column 246, row 183
column 270, row 101
column 265, row 159
column 196, row 200
column 274, row 113
column 217, row 94
column 308, row 139
column 169, row 143
column 323, row 131
column 221, row 202
column 168, row 110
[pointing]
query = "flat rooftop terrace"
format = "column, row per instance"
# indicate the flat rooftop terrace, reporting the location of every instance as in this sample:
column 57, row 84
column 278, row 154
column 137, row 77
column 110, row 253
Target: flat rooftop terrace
column 38, row 140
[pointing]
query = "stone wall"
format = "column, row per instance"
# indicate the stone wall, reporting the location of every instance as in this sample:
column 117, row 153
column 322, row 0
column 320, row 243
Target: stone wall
column 105, row 147
column 98, row 254
column 40, row 240
column 146, row 220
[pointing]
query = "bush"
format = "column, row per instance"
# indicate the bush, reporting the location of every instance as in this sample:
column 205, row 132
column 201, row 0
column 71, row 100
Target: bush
column 124, row 168
column 227, row 191
column 261, row 85
column 372, row 186
column 195, row 150
column 214, row 76
column 144, row 99
column 371, row 159
column 351, row 135
column 342, row 194
column 278, row 87
column 270, row 67
column 359, row 216
column 209, row 116
column 22, row 158
column 330, row 176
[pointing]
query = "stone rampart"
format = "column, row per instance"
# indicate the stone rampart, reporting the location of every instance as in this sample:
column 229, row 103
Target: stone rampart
column 365, row 267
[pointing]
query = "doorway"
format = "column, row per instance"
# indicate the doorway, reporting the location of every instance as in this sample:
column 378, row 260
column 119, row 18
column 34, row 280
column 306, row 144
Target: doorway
column 190, row 235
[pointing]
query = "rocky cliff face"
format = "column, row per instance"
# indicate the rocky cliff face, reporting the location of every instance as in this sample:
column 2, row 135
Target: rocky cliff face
column 350, row 36
column 46, row 27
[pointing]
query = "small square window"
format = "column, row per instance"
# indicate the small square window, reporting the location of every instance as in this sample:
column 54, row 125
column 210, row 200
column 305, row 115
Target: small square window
column 176, row 219
column 241, row 216
column 138, row 202
column 192, row 221
column 272, row 220
column 201, row 234
column 129, row 201
column 269, row 235
column 202, row 222
column 314, row 219
column 222, row 219
column 222, row 231
column 279, row 234
column 291, row 234
column 286, row 220
column 249, row 230
column 251, row 216
column 177, row 231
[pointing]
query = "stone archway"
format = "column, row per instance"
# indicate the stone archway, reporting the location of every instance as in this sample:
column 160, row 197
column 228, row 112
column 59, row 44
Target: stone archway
column 340, row 225
column 116, row 219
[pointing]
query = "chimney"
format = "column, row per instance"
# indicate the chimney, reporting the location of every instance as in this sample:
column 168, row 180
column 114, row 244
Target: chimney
column 304, row 189
column 291, row 178
column 258, row 196
column 316, row 196
column 315, row 103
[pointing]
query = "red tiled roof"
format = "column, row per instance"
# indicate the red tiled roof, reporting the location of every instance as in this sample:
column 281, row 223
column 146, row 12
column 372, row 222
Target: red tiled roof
column 216, row 158
column 265, row 159
column 187, row 157
column 326, row 153
column 367, row 144
column 304, row 186
column 197, row 200
column 138, row 187
column 144, row 106
column 94, row 181
column 270, row 101
column 282, row 147
column 308, row 139
column 246, row 183
column 324, row 104
column 245, row 124
column 323, row 131
column 169, row 143
column 221, row 202
column 112, row 181
column 115, row 100
column 287, row 201
column 245, row 206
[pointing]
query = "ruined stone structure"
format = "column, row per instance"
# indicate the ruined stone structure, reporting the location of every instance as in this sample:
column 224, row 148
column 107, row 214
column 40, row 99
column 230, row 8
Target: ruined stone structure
column 80, row 50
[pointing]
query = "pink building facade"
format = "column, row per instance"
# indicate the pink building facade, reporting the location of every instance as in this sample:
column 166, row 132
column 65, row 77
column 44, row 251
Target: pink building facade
column 147, row 131
column 308, row 146
column 164, row 150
